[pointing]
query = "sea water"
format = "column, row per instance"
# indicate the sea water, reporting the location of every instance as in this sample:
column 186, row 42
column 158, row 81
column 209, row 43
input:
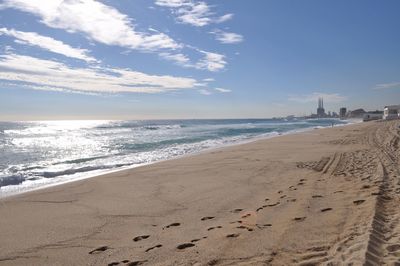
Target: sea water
column 42, row 153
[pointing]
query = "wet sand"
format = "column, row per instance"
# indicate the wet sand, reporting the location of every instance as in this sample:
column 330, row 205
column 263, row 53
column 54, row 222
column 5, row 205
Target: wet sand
column 327, row 196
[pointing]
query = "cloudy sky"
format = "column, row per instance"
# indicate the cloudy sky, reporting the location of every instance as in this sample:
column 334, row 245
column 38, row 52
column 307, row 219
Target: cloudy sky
column 142, row 59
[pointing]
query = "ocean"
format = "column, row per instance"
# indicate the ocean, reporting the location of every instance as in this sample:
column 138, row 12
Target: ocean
column 43, row 153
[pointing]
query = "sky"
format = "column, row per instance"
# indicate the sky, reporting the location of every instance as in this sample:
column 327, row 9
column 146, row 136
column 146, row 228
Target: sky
column 166, row 59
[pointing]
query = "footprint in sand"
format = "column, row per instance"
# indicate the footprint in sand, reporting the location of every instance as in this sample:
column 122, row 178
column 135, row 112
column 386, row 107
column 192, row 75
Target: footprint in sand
column 299, row 219
column 138, row 238
column 326, row 209
column 262, row 226
column 137, row 263
column 237, row 210
column 113, row 263
column 291, row 200
column 214, row 227
column 393, row 248
column 172, row 225
column 358, row 202
column 185, row 245
column 98, row 250
column 267, row 199
column 207, row 218
column 232, row 235
column 245, row 227
column 259, row 209
column 280, row 191
column 156, row 246
column 317, row 196
column 246, row 215
column 274, row 204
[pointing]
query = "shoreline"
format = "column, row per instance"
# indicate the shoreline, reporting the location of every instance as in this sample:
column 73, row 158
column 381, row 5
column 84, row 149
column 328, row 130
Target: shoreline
column 210, row 149
column 311, row 198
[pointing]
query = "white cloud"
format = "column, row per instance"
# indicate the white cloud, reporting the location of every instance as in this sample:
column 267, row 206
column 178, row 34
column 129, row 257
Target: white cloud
column 387, row 85
column 172, row 3
column 205, row 92
column 222, row 90
column 47, row 74
column 208, row 80
column 47, row 43
column 227, row 37
column 224, row 18
column 195, row 13
column 313, row 97
column 178, row 58
column 211, row 61
column 98, row 21
column 107, row 25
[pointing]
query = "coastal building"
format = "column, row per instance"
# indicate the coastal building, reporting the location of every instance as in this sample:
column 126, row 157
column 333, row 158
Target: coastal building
column 342, row 112
column 320, row 109
column 391, row 112
column 358, row 113
column 375, row 115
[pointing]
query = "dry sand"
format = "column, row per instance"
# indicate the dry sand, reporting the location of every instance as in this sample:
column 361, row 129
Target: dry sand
column 328, row 196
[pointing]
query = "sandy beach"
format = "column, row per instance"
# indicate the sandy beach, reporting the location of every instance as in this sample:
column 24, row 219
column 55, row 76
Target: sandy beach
column 327, row 196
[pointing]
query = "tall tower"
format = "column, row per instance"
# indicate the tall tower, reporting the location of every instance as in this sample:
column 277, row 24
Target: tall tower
column 320, row 109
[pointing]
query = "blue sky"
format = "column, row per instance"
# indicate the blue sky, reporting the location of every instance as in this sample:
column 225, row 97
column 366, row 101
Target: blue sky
column 151, row 59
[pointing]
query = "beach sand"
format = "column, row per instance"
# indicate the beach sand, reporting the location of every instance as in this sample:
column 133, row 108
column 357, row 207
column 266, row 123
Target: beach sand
column 326, row 196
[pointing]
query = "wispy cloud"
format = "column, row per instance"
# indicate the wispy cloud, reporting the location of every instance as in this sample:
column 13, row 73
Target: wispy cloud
column 313, row 97
column 51, row 75
column 48, row 43
column 391, row 85
column 178, row 58
column 106, row 25
column 195, row 13
column 227, row 37
column 96, row 20
column 222, row 90
column 209, row 61
column 205, row 92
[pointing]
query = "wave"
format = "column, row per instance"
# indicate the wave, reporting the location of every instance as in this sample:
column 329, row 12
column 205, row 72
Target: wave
column 72, row 171
column 140, row 125
column 80, row 160
column 11, row 180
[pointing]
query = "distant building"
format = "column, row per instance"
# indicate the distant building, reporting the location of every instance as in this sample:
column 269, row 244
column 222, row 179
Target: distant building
column 320, row 109
column 391, row 112
column 358, row 113
column 375, row 115
column 342, row 112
